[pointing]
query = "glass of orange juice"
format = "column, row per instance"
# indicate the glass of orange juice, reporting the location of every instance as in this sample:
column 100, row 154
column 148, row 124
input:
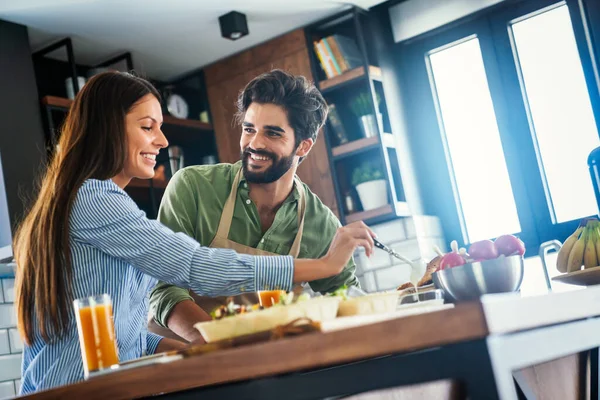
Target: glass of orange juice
column 268, row 298
column 96, row 329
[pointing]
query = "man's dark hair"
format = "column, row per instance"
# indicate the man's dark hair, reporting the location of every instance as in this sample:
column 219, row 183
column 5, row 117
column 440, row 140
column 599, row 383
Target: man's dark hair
column 305, row 106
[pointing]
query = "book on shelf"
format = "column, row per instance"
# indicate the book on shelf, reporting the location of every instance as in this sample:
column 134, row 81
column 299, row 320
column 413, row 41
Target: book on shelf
column 337, row 54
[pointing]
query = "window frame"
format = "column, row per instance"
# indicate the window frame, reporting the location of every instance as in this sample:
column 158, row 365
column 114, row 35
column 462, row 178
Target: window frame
column 492, row 28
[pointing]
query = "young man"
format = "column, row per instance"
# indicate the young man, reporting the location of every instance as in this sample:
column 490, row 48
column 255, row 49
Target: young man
column 257, row 205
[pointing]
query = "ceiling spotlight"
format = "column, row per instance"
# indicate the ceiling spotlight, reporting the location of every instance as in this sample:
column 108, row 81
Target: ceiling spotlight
column 233, row 25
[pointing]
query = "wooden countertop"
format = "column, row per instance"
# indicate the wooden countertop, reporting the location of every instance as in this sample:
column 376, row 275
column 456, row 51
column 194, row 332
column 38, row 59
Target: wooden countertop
column 462, row 323
column 494, row 315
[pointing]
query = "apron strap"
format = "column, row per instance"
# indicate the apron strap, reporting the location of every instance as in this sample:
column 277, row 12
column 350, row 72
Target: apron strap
column 228, row 208
column 295, row 250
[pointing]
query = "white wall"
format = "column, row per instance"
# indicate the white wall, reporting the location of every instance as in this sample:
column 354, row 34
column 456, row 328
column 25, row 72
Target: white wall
column 414, row 17
column 11, row 346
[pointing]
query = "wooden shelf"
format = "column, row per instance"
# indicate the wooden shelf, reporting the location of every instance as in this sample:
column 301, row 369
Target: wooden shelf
column 360, row 145
column 354, row 146
column 379, row 213
column 348, row 76
column 55, row 101
column 61, row 102
column 145, row 183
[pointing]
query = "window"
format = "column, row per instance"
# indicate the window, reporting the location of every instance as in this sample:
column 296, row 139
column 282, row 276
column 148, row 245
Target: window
column 559, row 108
column 474, row 149
column 511, row 114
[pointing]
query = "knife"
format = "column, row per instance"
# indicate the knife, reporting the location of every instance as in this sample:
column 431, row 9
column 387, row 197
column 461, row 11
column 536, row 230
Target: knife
column 390, row 251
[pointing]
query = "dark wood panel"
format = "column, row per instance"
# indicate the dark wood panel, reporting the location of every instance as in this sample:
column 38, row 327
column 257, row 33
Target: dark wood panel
column 465, row 322
column 269, row 52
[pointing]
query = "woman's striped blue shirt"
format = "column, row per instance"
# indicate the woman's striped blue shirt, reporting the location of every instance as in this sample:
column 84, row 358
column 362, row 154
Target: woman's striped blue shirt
column 115, row 249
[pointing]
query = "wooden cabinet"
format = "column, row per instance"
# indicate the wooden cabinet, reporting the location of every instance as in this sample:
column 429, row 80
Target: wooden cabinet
column 226, row 78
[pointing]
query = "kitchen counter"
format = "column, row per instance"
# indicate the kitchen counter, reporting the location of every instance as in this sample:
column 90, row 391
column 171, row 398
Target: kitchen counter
column 480, row 344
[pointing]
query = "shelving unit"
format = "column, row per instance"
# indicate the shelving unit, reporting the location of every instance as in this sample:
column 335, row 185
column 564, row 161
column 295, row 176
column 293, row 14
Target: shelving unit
column 195, row 138
column 65, row 104
column 342, row 73
column 360, row 145
column 348, row 77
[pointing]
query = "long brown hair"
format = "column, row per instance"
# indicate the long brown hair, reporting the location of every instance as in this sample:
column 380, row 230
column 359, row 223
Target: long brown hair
column 92, row 144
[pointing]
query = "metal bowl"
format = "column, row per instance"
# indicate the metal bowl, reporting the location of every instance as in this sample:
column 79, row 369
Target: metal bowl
column 471, row 281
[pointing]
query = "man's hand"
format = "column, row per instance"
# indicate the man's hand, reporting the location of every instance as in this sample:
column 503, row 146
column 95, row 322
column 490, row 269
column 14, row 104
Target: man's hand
column 345, row 242
column 183, row 317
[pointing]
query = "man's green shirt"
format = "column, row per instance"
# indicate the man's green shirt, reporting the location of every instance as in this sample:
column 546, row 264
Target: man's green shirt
column 193, row 203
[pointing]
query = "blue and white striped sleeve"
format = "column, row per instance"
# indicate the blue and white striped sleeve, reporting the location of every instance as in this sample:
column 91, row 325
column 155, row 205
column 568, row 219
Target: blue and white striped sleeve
column 152, row 341
column 105, row 217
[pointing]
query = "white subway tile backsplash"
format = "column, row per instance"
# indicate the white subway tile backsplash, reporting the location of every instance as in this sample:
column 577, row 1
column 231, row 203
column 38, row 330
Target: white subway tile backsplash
column 423, row 226
column 409, row 227
column 391, row 278
column 10, row 367
column 16, row 344
column 8, row 316
column 427, row 226
column 426, row 246
column 378, row 259
column 367, row 282
column 8, row 286
column 17, row 386
column 4, row 346
column 389, row 232
column 1, row 294
column 409, row 249
column 7, row 390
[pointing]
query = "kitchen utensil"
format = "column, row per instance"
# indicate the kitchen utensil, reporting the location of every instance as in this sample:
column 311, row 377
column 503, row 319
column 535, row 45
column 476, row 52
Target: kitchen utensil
column 417, row 267
column 391, row 252
column 422, row 296
column 175, row 158
column 472, row 280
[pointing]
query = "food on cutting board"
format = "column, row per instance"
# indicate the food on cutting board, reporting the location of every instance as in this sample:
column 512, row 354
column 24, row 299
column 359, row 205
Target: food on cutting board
column 582, row 248
column 254, row 319
column 365, row 304
column 426, row 280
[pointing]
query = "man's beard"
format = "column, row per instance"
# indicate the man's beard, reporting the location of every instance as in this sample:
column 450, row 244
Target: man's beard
column 278, row 168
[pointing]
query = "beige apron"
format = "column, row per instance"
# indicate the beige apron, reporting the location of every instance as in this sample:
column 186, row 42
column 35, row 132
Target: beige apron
column 221, row 241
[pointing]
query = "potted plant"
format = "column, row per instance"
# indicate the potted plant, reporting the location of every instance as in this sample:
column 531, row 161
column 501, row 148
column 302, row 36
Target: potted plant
column 362, row 109
column 371, row 186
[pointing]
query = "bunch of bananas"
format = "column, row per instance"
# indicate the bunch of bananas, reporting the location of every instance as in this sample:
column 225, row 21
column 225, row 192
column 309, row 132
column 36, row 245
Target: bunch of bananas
column 582, row 248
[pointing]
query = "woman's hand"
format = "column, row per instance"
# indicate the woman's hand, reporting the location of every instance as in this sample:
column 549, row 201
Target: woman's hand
column 345, row 242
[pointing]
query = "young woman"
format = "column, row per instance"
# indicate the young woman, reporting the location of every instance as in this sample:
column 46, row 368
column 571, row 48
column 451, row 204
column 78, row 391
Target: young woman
column 85, row 236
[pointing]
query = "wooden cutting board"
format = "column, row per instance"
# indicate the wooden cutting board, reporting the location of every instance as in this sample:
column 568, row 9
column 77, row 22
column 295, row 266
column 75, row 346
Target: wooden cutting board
column 402, row 311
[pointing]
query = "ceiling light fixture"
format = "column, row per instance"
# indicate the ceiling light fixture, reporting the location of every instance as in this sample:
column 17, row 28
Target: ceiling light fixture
column 233, row 25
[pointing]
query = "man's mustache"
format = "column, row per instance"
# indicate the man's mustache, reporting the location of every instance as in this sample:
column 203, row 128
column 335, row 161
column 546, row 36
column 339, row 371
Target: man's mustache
column 264, row 153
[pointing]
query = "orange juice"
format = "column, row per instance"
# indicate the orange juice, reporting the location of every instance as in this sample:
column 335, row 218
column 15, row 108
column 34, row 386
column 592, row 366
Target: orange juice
column 96, row 333
column 268, row 298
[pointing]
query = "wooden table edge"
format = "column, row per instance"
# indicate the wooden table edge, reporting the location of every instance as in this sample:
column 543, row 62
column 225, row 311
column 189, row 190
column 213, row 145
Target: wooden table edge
column 312, row 351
